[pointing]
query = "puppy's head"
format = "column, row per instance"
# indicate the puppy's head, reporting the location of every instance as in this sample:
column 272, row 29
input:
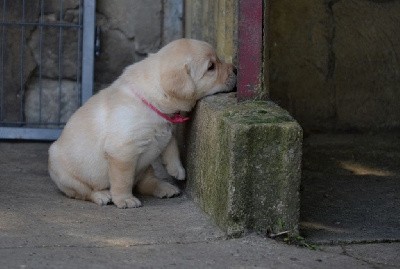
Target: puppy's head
column 190, row 69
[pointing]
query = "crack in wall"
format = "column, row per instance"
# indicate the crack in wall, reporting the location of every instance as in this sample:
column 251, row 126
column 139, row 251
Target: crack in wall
column 331, row 39
column 331, row 61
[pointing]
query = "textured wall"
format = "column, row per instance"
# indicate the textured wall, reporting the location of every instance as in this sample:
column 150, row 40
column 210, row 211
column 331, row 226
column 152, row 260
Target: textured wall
column 130, row 29
column 10, row 60
column 335, row 64
column 22, row 50
column 214, row 21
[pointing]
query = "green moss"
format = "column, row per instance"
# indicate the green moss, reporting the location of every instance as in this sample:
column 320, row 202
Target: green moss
column 256, row 112
column 244, row 162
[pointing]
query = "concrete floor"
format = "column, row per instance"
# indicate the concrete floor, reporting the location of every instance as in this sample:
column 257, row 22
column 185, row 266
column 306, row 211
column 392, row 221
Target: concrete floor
column 41, row 228
column 351, row 188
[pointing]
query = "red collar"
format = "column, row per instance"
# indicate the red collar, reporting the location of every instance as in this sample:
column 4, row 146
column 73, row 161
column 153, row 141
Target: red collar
column 176, row 118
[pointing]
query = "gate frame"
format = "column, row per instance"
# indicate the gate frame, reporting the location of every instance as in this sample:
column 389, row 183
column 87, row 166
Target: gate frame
column 251, row 37
column 88, row 40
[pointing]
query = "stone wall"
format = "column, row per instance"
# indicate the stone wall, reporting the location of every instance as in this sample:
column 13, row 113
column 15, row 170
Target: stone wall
column 335, row 65
column 214, row 22
column 130, row 29
column 11, row 75
column 242, row 158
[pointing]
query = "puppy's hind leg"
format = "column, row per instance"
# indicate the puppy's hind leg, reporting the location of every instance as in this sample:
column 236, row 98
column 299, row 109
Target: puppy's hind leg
column 74, row 188
column 101, row 197
column 71, row 186
column 149, row 184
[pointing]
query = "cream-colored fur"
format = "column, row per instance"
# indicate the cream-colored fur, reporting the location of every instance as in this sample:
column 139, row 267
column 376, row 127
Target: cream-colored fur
column 108, row 145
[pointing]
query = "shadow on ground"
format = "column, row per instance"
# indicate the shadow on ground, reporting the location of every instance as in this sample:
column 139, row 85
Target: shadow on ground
column 351, row 188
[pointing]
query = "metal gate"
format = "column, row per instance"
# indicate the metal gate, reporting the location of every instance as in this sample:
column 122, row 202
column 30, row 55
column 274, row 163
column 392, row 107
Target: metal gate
column 46, row 65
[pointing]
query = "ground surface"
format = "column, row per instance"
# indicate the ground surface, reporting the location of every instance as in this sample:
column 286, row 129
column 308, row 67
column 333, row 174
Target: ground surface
column 41, row 228
column 351, row 188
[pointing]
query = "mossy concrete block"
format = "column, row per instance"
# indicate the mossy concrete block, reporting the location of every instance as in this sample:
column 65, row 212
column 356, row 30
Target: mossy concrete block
column 243, row 164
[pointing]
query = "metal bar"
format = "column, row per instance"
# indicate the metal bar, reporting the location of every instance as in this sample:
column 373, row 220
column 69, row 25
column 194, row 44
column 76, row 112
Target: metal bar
column 85, row 61
column 60, row 71
column 38, row 124
column 78, row 56
column 250, row 37
column 46, row 24
column 40, row 59
column 3, row 36
column 29, row 133
column 89, row 7
column 22, row 69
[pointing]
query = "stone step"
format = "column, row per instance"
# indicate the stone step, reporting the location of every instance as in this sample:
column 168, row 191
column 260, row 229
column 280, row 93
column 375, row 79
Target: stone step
column 243, row 163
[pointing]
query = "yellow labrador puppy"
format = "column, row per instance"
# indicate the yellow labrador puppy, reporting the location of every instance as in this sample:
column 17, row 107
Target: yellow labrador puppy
column 108, row 145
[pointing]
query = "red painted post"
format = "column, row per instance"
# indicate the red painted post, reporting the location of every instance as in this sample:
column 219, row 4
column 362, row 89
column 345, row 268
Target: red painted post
column 250, row 48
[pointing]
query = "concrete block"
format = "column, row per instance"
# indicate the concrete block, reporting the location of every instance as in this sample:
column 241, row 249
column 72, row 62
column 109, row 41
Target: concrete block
column 243, row 164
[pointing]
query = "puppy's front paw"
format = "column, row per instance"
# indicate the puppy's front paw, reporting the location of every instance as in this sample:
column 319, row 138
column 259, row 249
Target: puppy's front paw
column 127, row 202
column 166, row 190
column 176, row 170
column 101, row 197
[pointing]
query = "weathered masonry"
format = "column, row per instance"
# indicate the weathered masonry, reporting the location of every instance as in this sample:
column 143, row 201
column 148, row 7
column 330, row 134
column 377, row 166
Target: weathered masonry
column 46, row 65
column 244, row 153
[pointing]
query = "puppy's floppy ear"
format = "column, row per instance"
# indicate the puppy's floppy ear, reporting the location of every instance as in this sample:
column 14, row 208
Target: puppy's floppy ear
column 178, row 83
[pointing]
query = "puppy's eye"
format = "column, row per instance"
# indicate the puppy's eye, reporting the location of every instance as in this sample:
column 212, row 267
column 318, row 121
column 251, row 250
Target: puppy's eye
column 211, row 67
